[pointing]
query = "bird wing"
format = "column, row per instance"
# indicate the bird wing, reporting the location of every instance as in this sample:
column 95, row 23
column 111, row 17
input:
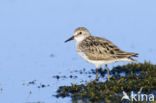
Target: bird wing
column 96, row 48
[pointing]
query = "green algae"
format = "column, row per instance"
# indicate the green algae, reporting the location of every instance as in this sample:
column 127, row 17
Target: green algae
column 136, row 76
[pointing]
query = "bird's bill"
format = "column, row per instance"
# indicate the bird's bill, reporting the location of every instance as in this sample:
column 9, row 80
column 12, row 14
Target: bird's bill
column 71, row 38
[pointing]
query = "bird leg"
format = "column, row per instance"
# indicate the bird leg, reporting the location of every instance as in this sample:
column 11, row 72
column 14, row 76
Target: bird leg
column 107, row 72
column 97, row 73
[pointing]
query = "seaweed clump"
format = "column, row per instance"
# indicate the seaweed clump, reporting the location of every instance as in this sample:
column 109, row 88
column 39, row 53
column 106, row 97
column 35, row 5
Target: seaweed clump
column 141, row 75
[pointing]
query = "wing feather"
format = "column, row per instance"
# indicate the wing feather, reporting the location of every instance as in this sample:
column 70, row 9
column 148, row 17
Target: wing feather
column 96, row 48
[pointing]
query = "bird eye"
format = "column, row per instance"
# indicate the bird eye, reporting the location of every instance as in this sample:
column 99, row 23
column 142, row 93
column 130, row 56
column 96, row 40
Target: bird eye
column 80, row 32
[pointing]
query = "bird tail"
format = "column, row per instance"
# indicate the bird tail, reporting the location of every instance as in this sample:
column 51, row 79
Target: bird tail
column 126, row 56
column 132, row 55
column 132, row 60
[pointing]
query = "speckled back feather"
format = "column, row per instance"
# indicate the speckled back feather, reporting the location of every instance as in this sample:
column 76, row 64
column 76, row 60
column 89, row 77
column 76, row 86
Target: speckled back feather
column 96, row 48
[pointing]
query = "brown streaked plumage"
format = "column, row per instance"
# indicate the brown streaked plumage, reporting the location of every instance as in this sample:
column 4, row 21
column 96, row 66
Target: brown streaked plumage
column 101, row 49
column 98, row 51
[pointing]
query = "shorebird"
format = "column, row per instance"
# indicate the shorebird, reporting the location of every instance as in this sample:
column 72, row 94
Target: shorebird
column 98, row 51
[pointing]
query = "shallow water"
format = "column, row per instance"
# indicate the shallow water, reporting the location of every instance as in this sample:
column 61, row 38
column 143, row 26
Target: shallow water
column 32, row 35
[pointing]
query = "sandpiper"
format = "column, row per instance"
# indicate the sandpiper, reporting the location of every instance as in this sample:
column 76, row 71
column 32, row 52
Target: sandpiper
column 98, row 51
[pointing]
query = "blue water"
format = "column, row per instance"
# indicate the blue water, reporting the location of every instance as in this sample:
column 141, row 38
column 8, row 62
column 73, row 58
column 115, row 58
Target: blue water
column 32, row 35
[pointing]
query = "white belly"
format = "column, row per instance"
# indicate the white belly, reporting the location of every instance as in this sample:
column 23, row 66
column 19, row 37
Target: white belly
column 97, row 63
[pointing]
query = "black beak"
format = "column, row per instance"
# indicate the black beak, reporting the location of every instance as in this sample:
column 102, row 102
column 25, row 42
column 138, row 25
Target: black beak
column 70, row 39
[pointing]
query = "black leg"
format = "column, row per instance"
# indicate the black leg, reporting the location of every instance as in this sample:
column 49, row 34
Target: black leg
column 97, row 73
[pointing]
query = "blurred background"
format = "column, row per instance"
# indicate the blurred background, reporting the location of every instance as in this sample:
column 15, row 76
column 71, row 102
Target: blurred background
column 32, row 35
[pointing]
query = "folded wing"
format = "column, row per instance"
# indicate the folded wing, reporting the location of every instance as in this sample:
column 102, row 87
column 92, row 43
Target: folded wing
column 96, row 48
